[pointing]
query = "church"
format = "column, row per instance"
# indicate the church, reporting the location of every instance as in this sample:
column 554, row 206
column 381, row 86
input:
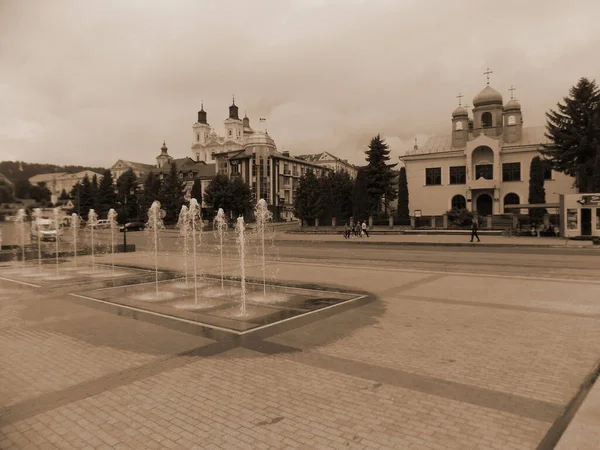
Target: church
column 483, row 164
column 207, row 143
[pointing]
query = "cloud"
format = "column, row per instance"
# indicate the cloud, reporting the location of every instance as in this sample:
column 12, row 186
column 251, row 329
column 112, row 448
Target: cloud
column 91, row 82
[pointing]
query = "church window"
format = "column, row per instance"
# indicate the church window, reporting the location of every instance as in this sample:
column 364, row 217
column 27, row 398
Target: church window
column 511, row 199
column 197, row 136
column 459, row 202
column 485, row 171
column 486, row 120
column 512, row 120
column 230, row 132
column 511, row 171
column 433, row 176
column 458, row 175
column 459, row 126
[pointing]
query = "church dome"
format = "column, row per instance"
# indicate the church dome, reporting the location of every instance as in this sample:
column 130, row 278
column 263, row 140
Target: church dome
column 260, row 138
column 460, row 112
column 488, row 96
column 512, row 105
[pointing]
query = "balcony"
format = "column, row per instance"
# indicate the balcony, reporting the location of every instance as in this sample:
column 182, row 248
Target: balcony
column 482, row 183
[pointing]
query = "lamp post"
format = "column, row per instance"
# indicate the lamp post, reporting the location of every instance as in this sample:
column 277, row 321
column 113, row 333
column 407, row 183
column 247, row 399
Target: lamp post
column 125, row 226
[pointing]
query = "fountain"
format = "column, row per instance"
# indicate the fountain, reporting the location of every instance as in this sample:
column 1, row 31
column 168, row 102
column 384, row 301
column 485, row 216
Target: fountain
column 75, row 221
column 92, row 222
column 183, row 223
column 37, row 215
column 221, row 225
column 154, row 225
column 241, row 241
column 112, row 221
column 195, row 218
column 262, row 215
column 20, row 219
column 56, row 220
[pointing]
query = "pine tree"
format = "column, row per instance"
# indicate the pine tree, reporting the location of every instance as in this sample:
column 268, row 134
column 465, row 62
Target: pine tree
column 537, row 193
column 64, row 195
column 151, row 191
column 86, row 199
column 95, row 192
column 217, row 193
column 403, row 198
column 106, row 198
column 171, row 195
column 127, row 189
column 379, row 175
column 308, row 201
column 574, row 132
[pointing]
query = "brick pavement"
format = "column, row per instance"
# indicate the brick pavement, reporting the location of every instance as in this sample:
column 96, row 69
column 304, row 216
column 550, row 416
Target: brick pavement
column 415, row 369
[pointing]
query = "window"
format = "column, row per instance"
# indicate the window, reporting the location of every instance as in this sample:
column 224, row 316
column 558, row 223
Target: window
column 485, row 171
column 459, row 202
column 511, row 199
column 197, row 136
column 458, row 175
column 512, row 120
column 458, row 126
column 230, row 132
column 433, row 176
column 486, row 120
column 511, row 171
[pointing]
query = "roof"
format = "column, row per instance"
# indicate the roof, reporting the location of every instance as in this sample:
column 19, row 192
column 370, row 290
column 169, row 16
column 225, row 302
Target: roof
column 323, row 156
column 441, row 144
column 46, row 176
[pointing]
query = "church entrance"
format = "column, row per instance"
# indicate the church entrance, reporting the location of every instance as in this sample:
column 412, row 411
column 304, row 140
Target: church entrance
column 485, row 205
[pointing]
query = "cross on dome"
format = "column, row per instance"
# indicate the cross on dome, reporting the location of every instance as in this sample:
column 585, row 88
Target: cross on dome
column 487, row 74
column 512, row 90
column 459, row 97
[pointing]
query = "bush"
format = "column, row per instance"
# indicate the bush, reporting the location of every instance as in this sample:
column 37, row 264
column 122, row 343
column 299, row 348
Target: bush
column 460, row 217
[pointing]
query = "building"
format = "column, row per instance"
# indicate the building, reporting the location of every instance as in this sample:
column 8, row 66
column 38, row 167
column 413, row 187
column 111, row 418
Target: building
column 483, row 164
column 272, row 175
column 58, row 181
column 122, row 166
column 580, row 215
column 326, row 159
column 207, row 143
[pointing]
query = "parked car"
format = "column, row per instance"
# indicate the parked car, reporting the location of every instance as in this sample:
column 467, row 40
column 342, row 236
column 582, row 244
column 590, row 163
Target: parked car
column 104, row 223
column 45, row 229
column 133, row 226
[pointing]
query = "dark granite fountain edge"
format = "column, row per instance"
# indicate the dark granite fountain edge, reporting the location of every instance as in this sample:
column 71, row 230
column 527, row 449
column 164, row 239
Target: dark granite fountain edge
column 14, row 254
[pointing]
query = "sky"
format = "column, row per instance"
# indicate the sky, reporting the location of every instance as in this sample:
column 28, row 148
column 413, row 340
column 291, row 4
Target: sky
column 93, row 81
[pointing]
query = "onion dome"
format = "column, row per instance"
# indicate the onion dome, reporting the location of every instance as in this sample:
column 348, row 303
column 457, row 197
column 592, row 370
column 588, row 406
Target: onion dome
column 512, row 105
column 488, row 96
column 461, row 111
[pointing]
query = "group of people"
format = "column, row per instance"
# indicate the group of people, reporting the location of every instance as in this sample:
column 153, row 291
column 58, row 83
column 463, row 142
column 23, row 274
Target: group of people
column 356, row 229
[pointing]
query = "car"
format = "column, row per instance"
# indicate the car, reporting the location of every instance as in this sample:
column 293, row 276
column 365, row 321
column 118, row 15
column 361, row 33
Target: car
column 133, row 226
column 104, row 223
column 44, row 230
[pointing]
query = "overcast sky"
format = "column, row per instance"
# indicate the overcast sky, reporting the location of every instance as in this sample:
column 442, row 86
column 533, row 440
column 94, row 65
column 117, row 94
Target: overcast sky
column 92, row 81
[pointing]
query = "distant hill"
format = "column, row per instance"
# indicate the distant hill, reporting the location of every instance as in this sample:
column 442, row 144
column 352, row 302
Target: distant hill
column 10, row 169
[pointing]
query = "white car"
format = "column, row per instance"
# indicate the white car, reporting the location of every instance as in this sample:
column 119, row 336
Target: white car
column 104, row 223
column 44, row 229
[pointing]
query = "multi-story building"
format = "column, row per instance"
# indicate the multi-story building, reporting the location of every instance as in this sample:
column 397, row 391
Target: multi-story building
column 272, row 175
column 336, row 164
column 58, row 181
column 483, row 165
column 122, row 166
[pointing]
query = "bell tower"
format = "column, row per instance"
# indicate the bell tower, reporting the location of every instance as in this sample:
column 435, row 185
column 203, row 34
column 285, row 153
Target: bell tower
column 201, row 128
column 513, row 120
column 234, row 127
column 460, row 125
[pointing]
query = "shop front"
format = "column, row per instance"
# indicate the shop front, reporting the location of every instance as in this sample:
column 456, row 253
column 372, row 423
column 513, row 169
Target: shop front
column 580, row 215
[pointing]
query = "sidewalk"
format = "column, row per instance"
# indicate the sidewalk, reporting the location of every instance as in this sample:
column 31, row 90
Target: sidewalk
column 439, row 240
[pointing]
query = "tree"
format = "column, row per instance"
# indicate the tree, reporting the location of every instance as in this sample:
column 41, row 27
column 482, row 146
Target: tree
column 336, row 190
column 63, row 195
column 240, row 198
column 23, row 188
column 574, row 132
column 40, row 193
column 308, row 201
column 196, row 191
column 537, row 193
column 379, row 175
column 6, row 192
column 151, row 191
column 171, row 195
column 94, row 188
column 360, row 199
column 403, row 198
column 216, row 194
column 106, row 198
column 82, row 193
column 127, row 188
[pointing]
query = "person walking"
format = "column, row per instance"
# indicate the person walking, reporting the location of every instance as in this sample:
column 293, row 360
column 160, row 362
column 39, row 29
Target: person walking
column 474, row 228
column 346, row 231
column 364, row 228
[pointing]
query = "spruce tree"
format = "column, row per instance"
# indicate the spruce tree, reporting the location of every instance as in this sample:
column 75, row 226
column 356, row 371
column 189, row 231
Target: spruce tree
column 379, row 175
column 308, row 201
column 196, row 191
column 106, row 198
column 171, row 195
column 574, row 132
column 537, row 193
column 403, row 198
column 127, row 188
column 150, row 193
column 360, row 198
column 63, row 195
column 86, row 199
column 94, row 187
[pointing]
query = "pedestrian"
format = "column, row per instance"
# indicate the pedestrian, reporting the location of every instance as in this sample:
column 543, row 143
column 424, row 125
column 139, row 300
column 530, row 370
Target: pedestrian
column 474, row 228
column 346, row 231
column 364, row 228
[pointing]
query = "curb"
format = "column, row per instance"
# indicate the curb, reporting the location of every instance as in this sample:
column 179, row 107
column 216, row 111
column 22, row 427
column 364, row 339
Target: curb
column 435, row 244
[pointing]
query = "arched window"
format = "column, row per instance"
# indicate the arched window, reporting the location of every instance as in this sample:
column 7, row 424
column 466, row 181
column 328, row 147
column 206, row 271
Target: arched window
column 459, row 202
column 512, row 120
column 511, row 199
column 486, row 119
column 458, row 126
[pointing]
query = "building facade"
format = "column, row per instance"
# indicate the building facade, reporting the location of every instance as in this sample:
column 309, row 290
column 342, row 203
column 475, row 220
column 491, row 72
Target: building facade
column 122, row 166
column 272, row 175
column 326, row 159
column 58, row 181
column 207, row 143
column 483, row 164
column 580, row 215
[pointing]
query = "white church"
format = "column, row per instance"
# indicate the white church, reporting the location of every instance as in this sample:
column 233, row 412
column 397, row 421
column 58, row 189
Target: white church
column 482, row 164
